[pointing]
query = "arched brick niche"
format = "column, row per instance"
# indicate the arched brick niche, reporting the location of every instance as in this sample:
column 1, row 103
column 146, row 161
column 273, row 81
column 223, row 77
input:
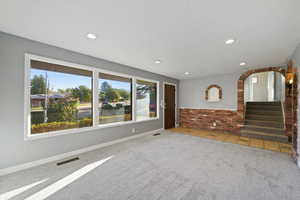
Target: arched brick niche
column 243, row 77
column 213, row 86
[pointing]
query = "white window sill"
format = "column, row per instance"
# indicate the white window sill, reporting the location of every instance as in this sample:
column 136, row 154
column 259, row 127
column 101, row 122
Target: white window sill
column 80, row 130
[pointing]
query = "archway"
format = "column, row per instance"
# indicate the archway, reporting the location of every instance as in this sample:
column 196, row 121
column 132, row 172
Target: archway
column 241, row 81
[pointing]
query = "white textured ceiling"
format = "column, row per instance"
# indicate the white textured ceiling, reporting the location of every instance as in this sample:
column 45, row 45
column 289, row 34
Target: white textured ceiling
column 187, row 35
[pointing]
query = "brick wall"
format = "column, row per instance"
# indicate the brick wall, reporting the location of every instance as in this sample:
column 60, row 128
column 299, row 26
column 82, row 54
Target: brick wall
column 225, row 120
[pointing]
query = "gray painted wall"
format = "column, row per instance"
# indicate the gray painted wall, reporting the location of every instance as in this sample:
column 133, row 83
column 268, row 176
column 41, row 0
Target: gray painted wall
column 296, row 60
column 296, row 56
column 192, row 92
column 14, row 150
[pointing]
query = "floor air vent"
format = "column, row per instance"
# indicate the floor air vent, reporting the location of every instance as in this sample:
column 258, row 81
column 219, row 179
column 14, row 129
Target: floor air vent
column 156, row 134
column 67, row 161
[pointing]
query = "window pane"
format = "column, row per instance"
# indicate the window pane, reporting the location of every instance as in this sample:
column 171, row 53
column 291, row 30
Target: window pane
column 115, row 99
column 61, row 97
column 146, row 98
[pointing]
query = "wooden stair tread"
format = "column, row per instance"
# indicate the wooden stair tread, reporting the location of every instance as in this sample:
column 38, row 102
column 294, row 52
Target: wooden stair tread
column 263, row 133
column 260, row 120
column 263, row 115
column 264, row 127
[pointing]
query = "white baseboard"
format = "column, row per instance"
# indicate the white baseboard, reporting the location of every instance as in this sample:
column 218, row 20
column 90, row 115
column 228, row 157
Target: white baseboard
column 24, row 166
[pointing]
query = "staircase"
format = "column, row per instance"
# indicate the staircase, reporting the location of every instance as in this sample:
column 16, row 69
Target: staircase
column 264, row 120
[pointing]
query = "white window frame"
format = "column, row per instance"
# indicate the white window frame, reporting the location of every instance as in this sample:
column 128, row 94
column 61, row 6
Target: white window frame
column 95, row 89
column 157, row 98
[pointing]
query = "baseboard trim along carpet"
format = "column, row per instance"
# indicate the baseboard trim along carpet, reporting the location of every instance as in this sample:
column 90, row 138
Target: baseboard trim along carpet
column 28, row 165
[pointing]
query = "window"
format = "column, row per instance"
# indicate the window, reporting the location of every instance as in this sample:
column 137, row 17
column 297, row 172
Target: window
column 115, row 99
column 146, row 100
column 60, row 96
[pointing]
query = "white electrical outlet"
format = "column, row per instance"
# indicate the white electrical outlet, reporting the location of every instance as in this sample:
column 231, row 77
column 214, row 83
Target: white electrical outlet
column 214, row 124
column 133, row 130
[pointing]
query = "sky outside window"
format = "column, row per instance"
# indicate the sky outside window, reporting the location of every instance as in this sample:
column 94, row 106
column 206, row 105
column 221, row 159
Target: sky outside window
column 64, row 81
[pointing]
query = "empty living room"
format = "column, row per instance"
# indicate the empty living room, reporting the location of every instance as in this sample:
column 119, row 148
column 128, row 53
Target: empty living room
column 149, row 100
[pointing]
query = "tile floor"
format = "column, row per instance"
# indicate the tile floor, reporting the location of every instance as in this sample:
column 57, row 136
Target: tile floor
column 231, row 138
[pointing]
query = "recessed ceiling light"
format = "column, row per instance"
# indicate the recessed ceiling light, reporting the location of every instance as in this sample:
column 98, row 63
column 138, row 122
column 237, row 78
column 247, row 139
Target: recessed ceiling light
column 230, row 41
column 157, row 61
column 186, row 73
column 91, row 36
column 242, row 64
